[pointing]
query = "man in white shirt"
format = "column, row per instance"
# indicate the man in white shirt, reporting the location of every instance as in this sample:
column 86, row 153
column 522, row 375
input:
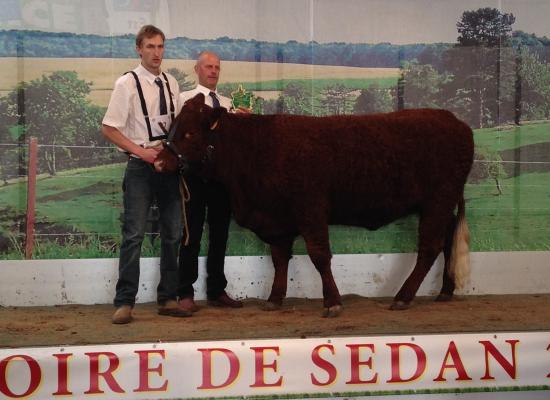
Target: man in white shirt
column 143, row 100
column 210, row 201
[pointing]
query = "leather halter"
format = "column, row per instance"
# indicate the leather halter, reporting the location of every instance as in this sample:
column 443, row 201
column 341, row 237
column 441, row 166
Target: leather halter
column 183, row 165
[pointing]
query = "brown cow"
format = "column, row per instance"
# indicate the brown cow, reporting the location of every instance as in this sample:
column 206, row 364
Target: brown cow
column 291, row 175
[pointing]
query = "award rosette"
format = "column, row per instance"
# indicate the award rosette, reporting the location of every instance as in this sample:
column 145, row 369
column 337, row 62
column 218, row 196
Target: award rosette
column 242, row 98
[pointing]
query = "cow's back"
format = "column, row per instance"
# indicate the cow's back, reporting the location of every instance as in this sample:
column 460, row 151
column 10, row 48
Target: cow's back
column 385, row 166
column 364, row 170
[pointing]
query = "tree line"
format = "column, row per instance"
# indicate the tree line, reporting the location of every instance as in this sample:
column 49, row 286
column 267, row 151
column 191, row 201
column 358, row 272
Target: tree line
column 491, row 76
column 55, row 109
column 22, row 43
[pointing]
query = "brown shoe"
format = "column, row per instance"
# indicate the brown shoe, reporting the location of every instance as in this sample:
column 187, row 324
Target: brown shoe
column 172, row 309
column 223, row 300
column 122, row 315
column 188, row 304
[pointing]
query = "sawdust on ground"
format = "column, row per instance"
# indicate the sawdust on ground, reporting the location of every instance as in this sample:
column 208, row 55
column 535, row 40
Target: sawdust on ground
column 298, row 318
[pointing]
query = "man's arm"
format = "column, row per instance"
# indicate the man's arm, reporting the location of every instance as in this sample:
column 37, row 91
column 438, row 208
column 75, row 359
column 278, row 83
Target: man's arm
column 116, row 137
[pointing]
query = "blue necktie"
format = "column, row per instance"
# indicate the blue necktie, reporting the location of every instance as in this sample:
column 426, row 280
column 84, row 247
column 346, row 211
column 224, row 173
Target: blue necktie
column 215, row 101
column 163, row 108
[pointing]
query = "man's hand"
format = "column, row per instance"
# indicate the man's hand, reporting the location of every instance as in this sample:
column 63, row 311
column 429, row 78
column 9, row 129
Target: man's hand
column 118, row 139
column 150, row 154
column 243, row 110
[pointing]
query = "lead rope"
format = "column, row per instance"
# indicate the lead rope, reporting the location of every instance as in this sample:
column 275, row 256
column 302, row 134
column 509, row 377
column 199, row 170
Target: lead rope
column 185, row 197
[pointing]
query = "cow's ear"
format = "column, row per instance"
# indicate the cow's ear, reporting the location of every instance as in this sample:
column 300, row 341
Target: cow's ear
column 196, row 102
column 215, row 117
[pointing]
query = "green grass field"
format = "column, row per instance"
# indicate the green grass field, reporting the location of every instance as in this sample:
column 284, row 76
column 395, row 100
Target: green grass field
column 519, row 219
column 318, row 84
column 84, row 206
column 499, row 139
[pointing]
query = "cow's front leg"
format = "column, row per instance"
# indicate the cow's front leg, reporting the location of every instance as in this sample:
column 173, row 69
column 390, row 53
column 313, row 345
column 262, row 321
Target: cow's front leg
column 318, row 249
column 280, row 255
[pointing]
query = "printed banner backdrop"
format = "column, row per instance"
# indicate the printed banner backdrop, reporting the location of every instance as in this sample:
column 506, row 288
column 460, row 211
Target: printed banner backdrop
column 331, row 367
column 318, row 57
column 59, row 61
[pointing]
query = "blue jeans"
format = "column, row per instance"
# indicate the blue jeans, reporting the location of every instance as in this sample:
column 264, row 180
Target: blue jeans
column 140, row 187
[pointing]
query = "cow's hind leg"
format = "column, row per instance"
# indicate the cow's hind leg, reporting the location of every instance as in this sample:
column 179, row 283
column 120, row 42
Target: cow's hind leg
column 433, row 226
column 281, row 252
column 318, row 249
column 457, row 254
column 448, row 287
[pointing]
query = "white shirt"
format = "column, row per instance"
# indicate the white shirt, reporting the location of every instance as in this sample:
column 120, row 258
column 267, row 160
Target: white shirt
column 124, row 111
column 225, row 102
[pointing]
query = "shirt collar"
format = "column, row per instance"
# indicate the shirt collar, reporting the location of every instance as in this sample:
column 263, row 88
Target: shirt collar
column 149, row 77
column 204, row 90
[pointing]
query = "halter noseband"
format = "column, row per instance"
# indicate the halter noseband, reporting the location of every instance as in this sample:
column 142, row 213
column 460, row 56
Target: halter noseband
column 183, row 165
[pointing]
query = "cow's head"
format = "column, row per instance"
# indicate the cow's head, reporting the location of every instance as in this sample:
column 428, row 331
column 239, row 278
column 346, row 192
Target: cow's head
column 191, row 136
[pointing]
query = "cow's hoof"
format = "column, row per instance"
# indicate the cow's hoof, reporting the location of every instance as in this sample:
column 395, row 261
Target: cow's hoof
column 399, row 305
column 270, row 306
column 333, row 311
column 444, row 297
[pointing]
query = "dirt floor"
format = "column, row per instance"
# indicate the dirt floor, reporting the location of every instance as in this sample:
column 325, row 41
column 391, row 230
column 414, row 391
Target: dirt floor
column 299, row 318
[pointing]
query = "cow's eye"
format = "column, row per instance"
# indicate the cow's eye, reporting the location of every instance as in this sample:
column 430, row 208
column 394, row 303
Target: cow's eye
column 191, row 134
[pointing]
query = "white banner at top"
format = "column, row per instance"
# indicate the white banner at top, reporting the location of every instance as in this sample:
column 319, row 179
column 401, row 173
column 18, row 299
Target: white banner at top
column 345, row 366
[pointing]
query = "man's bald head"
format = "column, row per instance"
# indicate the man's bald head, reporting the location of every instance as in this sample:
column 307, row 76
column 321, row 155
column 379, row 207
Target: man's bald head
column 208, row 69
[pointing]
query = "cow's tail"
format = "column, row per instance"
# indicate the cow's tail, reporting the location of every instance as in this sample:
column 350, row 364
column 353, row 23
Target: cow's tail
column 459, row 265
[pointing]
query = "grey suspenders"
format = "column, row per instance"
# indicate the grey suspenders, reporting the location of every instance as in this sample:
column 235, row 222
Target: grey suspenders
column 144, row 106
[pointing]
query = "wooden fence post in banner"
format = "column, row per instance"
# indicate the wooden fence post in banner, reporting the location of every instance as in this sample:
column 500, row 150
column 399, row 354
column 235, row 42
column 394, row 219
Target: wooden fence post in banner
column 31, row 197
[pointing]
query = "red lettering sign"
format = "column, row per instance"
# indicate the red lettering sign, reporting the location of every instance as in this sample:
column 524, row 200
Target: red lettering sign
column 396, row 363
column 234, row 367
column 356, row 364
column 36, row 376
column 145, row 370
column 323, row 364
column 457, row 364
column 260, row 366
column 62, row 374
column 106, row 375
column 509, row 367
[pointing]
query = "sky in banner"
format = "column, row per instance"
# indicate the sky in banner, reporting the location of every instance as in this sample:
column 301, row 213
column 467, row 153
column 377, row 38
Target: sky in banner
column 352, row 21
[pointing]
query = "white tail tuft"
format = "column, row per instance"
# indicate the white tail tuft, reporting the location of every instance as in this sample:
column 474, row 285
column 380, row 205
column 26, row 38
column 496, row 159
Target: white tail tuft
column 459, row 267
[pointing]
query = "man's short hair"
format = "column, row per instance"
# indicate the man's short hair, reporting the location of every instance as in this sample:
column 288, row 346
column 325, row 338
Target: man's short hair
column 146, row 32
